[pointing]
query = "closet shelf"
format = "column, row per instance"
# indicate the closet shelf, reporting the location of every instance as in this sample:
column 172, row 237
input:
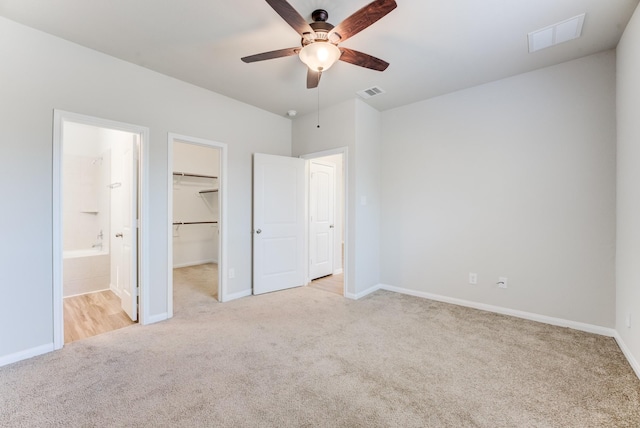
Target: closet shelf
column 208, row 191
column 187, row 174
column 180, row 223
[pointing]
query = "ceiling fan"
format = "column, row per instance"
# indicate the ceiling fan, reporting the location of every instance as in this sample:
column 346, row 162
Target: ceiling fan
column 320, row 39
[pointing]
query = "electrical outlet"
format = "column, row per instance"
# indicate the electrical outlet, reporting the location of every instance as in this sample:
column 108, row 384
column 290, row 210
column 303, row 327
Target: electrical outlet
column 473, row 278
column 232, row 273
column 502, row 282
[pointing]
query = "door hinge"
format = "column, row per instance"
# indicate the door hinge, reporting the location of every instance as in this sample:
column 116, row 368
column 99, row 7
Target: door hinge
column 138, row 223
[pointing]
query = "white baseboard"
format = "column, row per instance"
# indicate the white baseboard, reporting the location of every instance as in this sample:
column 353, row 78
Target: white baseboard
column 337, row 271
column 361, row 294
column 589, row 328
column 627, row 353
column 89, row 292
column 114, row 290
column 195, row 263
column 152, row 319
column 27, row 353
column 239, row 295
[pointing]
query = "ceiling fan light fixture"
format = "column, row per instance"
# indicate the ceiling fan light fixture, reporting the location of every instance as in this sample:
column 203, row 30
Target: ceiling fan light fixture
column 319, row 56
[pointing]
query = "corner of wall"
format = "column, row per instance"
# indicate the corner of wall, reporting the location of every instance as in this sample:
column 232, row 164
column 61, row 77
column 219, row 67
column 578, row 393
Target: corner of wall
column 633, row 362
column 627, row 198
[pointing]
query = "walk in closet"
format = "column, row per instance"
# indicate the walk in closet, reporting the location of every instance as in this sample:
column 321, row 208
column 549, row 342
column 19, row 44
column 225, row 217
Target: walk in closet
column 196, row 213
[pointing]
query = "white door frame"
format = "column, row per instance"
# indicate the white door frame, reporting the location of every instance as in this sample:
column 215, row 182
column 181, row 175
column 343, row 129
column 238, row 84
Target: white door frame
column 344, row 151
column 59, row 117
column 222, row 220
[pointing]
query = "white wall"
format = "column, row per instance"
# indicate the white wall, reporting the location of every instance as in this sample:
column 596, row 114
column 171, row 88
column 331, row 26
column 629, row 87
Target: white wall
column 355, row 125
column 367, row 196
column 47, row 73
column 514, row 178
column 628, row 191
column 198, row 243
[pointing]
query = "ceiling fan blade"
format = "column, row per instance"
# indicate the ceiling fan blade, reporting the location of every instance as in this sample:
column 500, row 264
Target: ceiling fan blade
column 313, row 78
column 291, row 16
column 271, row 55
column 361, row 19
column 363, row 60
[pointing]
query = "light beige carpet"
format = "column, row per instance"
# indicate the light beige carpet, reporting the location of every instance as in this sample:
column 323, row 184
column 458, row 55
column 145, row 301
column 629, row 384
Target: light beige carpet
column 309, row 358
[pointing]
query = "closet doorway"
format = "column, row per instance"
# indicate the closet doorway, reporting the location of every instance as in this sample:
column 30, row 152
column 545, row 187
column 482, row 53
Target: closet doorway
column 326, row 222
column 196, row 218
column 98, row 246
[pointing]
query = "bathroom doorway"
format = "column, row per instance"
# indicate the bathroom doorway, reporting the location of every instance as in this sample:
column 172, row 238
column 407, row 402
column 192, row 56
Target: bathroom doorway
column 97, row 249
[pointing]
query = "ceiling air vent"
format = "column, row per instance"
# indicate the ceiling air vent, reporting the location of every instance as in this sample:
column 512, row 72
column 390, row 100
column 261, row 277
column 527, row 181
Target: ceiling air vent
column 564, row 31
column 370, row 92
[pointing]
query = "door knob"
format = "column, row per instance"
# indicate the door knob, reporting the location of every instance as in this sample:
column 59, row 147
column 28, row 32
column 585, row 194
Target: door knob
column 330, row 226
column 259, row 231
column 118, row 235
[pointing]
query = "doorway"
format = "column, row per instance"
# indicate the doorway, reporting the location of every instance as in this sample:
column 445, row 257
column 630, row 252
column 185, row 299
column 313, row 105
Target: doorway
column 196, row 235
column 326, row 222
column 98, row 212
column 282, row 224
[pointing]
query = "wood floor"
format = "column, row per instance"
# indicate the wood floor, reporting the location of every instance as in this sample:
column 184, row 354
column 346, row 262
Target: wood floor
column 92, row 314
column 331, row 283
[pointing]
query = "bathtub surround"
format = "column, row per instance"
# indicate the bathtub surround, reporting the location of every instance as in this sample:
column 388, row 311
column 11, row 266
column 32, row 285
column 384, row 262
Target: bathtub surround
column 86, row 174
column 85, row 271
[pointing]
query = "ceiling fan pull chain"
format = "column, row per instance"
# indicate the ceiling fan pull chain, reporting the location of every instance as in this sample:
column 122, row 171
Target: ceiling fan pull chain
column 318, row 100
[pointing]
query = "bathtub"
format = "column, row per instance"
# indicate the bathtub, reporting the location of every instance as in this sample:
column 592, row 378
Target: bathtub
column 85, row 271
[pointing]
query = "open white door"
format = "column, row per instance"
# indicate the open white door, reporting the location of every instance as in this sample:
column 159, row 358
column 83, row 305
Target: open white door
column 278, row 222
column 128, row 265
column 321, row 219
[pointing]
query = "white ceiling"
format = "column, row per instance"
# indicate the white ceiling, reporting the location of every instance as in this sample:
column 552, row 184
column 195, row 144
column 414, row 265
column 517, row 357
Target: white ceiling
column 434, row 46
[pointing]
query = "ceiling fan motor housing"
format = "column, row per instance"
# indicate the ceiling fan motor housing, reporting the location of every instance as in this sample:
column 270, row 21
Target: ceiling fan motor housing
column 320, row 27
column 320, row 15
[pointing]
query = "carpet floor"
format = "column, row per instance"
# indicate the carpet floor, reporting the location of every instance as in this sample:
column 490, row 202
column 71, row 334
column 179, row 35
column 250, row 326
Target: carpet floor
column 308, row 358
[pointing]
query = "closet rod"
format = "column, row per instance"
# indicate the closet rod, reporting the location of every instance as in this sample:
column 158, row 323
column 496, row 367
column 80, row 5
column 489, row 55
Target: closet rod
column 180, row 223
column 186, row 174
